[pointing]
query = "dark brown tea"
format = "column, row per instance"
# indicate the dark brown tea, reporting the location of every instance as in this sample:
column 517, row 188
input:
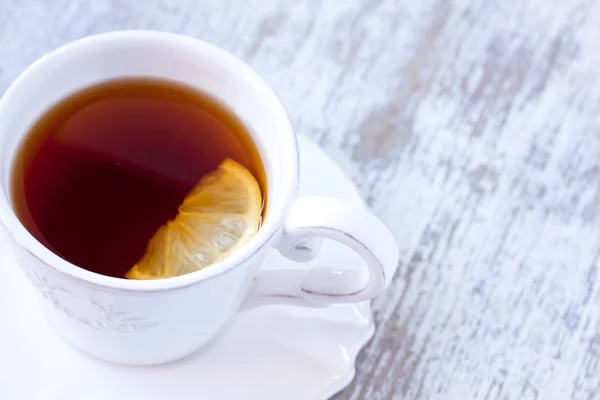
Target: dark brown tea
column 102, row 170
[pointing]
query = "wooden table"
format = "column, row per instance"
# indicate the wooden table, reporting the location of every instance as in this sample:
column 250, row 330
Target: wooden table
column 473, row 130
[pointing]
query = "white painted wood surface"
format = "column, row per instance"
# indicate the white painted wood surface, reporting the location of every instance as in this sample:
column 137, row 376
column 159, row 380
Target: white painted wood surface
column 472, row 128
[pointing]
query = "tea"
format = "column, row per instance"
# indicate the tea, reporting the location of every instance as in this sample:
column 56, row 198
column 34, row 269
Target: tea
column 101, row 171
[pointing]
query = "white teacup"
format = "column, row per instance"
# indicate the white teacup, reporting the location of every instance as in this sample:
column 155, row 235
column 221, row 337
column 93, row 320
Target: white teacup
column 151, row 322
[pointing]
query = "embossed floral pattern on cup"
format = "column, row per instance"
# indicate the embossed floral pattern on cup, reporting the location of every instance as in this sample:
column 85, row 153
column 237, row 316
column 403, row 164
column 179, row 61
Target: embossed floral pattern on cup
column 99, row 316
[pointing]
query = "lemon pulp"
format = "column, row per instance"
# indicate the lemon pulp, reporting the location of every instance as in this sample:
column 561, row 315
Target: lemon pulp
column 219, row 215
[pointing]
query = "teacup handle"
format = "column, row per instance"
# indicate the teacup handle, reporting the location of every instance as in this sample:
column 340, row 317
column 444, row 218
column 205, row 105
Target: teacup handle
column 309, row 220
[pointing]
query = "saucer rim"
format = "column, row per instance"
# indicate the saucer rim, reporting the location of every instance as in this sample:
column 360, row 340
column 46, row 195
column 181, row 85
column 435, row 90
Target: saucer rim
column 345, row 379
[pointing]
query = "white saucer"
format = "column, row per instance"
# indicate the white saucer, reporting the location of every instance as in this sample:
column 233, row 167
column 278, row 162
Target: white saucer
column 275, row 352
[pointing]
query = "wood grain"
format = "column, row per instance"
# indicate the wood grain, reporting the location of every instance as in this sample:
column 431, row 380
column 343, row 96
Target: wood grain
column 472, row 128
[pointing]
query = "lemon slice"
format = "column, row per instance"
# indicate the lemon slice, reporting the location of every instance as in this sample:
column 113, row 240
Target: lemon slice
column 219, row 215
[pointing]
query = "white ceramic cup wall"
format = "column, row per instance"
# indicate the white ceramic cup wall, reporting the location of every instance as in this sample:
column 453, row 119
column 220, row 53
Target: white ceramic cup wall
column 151, row 322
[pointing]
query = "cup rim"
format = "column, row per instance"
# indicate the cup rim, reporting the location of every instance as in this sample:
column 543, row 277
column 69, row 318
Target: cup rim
column 25, row 240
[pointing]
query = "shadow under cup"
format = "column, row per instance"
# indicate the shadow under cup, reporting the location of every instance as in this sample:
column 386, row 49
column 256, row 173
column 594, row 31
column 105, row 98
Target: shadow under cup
column 121, row 320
